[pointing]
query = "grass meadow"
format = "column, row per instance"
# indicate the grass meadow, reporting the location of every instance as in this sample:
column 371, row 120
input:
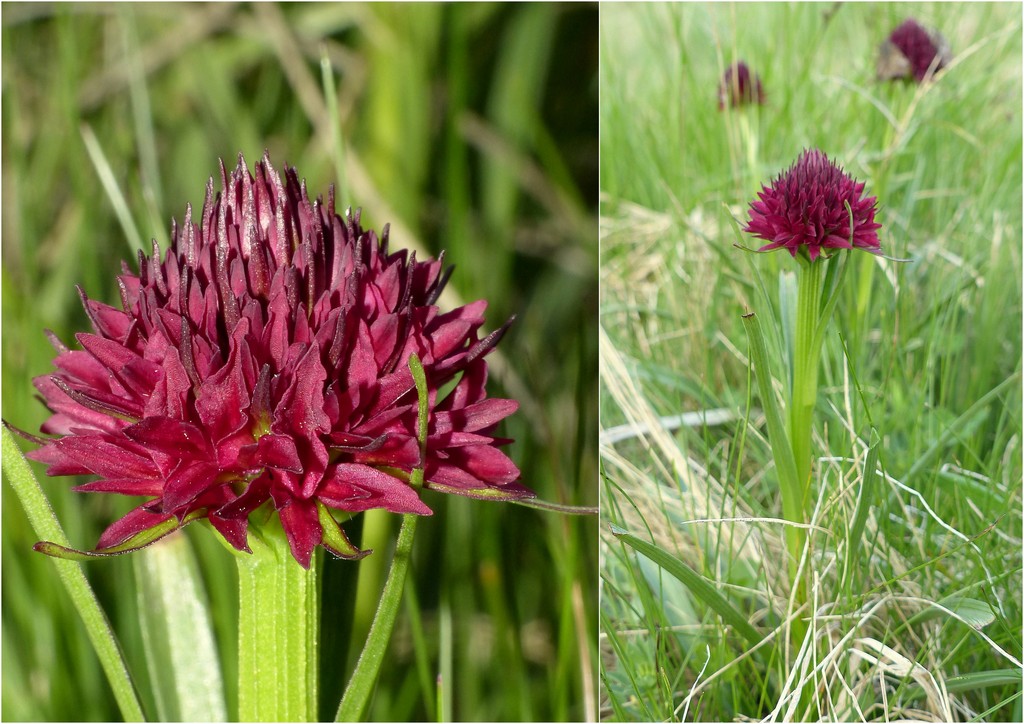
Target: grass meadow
column 914, row 554
column 468, row 128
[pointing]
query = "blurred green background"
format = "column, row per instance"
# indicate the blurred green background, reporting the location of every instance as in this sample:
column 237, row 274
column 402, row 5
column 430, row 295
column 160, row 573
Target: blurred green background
column 470, row 128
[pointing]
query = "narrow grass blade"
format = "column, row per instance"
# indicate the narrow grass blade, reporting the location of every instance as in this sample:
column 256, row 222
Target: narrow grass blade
column 867, row 494
column 972, row 681
column 700, row 586
column 334, row 123
column 143, row 116
column 45, row 525
column 954, row 432
column 109, row 181
column 177, row 634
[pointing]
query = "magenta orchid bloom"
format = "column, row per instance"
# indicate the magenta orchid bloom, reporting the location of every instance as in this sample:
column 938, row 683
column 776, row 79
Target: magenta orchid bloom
column 809, row 208
column 264, row 361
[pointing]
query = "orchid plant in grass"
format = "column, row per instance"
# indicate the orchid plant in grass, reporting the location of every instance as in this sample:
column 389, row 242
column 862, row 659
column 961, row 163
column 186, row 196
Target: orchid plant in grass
column 819, row 214
column 276, row 372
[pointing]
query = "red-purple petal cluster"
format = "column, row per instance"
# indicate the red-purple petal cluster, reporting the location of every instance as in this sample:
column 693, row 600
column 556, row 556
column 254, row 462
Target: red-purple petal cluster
column 805, row 208
column 265, row 360
column 739, row 87
column 919, row 47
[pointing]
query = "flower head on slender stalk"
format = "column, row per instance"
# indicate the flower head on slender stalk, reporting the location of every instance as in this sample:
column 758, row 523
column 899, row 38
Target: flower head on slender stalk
column 739, row 87
column 263, row 363
column 912, row 51
column 809, row 207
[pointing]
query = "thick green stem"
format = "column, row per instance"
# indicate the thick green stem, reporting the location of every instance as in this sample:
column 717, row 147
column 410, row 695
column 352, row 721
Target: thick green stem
column 806, row 361
column 278, row 631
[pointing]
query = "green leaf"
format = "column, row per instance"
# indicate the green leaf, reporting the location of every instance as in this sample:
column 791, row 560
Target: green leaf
column 335, row 539
column 140, row 540
column 45, row 525
column 975, row 613
column 833, row 285
column 419, row 376
column 787, row 318
column 701, row 587
column 785, row 463
column 177, row 634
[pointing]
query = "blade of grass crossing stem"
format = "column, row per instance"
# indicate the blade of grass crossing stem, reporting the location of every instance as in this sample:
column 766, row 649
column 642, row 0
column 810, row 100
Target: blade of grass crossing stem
column 334, row 123
column 782, row 452
column 360, row 686
column 109, row 181
column 700, row 586
column 45, row 525
column 176, row 632
column 864, row 499
column 143, row 117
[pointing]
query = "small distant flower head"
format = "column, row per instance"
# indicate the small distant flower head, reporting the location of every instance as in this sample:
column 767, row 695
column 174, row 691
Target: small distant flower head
column 263, row 363
column 739, row 87
column 912, row 51
column 805, row 210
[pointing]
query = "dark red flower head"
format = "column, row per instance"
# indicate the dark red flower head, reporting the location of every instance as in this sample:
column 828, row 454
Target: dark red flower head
column 806, row 208
column 265, row 361
column 739, row 87
column 910, row 51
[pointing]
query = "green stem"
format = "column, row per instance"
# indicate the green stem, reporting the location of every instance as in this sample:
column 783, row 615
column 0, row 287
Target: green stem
column 806, row 361
column 360, row 686
column 45, row 525
column 278, row 631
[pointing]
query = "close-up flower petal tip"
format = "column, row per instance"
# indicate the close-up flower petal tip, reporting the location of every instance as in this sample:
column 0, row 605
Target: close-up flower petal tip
column 739, row 87
column 264, row 361
column 808, row 209
column 912, row 51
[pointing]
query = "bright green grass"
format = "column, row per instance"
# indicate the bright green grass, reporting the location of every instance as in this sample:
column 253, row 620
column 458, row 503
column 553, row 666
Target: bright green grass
column 934, row 350
column 469, row 128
